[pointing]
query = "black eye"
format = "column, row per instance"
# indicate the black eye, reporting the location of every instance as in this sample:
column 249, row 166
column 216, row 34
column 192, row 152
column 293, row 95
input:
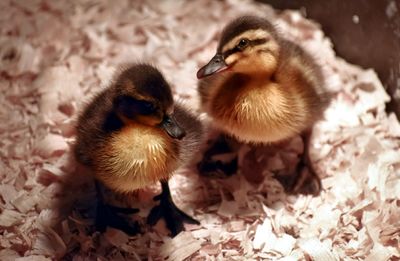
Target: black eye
column 129, row 106
column 243, row 43
column 146, row 107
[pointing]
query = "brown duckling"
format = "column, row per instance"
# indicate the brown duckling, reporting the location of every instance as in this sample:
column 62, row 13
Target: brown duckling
column 261, row 88
column 132, row 135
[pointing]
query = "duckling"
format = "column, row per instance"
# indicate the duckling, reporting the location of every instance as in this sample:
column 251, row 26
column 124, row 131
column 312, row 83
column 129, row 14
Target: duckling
column 260, row 88
column 133, row 135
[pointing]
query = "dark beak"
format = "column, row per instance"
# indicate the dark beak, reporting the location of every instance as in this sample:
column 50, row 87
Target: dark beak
column 170, row 125
column 217, row 64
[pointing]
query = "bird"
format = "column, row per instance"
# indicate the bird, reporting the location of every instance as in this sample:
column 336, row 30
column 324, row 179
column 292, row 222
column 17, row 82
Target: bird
column 131, row 135
column 260, row 88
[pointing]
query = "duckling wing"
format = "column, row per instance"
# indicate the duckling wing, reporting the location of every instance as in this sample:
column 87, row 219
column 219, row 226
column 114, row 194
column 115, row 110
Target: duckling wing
column 299, row 70
column 94, row 125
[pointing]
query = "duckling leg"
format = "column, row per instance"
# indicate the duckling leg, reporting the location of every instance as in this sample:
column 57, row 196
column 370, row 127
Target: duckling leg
column 173, row 216
column 306, row 180
column 107, row 216
column 220, row 160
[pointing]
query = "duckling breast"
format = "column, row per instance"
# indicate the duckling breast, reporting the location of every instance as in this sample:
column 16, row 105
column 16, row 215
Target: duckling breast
column 259, row 113
column 136, row 157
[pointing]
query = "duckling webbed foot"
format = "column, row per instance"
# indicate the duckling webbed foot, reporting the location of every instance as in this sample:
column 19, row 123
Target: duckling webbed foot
column 109, row 216
column 219, row 161
column 173, row 216
column 305, row 179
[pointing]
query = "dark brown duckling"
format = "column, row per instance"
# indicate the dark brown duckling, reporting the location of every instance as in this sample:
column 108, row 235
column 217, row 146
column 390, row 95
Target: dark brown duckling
column 133, row 135
column 260, row 88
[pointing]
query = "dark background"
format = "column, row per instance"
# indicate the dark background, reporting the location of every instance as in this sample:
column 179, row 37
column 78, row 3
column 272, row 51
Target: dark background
column 373, row 42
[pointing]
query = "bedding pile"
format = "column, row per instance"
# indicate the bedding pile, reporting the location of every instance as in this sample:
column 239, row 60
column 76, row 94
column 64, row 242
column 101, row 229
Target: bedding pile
column 55, row 55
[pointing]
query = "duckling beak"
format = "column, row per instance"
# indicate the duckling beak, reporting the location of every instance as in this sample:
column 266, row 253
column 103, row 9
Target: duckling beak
column 170, row 125
column 215, row 65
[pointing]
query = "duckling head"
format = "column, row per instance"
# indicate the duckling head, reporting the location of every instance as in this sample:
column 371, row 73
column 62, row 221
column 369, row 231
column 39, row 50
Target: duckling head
column 143, row 96
column 248, row 45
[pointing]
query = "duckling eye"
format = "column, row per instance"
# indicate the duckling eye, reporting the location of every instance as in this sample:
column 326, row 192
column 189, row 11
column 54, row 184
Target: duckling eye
column 146, row 107
column 130, row 106
column 243, row 43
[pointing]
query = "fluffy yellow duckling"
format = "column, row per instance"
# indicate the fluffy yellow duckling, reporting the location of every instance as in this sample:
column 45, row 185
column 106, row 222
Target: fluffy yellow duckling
column 132, row 135
column 261, row 88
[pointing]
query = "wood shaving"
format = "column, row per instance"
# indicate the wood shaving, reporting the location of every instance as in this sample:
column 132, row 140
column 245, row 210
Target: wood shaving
column 180, row 247
column 316, row 250
column 55, row 55
column 10, row 218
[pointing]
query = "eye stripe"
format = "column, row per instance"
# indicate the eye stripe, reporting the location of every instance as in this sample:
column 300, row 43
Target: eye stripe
column 249, row 34
column 231, row 51
column 251, row 43
column 258, row 41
